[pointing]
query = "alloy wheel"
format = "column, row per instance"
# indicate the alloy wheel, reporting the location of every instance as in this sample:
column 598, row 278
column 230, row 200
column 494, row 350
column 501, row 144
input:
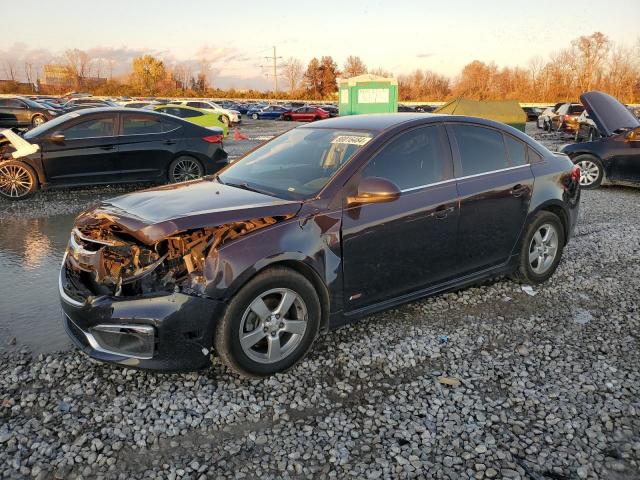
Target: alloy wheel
column 273, row 325
column 543, row 248
column 589, row 172
column 185, row 170
column 38, row 120
column 15, row 181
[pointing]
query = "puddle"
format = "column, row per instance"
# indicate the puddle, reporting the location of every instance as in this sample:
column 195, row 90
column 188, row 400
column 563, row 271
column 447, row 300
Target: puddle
column 31, row 251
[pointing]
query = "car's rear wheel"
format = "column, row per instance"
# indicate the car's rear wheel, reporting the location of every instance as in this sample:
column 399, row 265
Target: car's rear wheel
column 17, row 180
column 541, row 249
column 591, row 171
column 37, row 120
column 269, row 324
column 254, row 116
column 287, row 118
column 224, row 119
column 185, row 168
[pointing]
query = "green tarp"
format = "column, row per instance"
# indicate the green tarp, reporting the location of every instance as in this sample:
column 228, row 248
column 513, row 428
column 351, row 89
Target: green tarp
column 507, row 111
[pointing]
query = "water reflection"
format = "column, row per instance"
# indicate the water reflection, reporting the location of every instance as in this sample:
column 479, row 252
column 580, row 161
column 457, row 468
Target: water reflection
column 30, row 254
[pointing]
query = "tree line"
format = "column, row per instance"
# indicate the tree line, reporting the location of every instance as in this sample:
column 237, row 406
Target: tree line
column 590, row 62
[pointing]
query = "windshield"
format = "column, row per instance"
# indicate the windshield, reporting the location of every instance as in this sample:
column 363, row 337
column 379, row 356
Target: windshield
column 297, row 164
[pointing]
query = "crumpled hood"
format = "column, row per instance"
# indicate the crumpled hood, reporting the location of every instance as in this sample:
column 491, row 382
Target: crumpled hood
column 151, row 215
column 608, row 113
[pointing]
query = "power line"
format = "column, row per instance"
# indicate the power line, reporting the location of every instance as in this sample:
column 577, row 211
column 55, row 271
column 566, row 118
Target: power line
column 275, row 59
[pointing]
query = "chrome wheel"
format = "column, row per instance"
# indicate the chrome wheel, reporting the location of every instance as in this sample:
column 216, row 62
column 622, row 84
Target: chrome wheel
column 186, row 169
column 589, row 172
column 38, row 120
column 273, row 325
column 543, row 248
column 15, row 181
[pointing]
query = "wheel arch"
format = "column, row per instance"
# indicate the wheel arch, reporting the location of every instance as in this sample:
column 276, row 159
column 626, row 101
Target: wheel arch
column 299, row 266
column 559, row 211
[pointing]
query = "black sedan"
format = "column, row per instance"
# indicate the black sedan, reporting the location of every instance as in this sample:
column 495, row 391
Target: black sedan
column 23, row 112
column 111, row 145
column 615, row 156
column 321, row 225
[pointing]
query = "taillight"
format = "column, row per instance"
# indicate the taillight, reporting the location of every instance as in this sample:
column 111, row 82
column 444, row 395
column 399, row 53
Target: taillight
column 213, row 138
column 567, row 117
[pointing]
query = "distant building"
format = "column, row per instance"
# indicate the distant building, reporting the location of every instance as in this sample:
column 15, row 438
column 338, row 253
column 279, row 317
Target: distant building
column 57, row 76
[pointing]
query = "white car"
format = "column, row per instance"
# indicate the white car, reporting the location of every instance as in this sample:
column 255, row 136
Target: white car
column 229, row 116
column 544, row 119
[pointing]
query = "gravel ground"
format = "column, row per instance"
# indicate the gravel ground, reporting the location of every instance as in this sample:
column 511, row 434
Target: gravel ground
column 487, row 382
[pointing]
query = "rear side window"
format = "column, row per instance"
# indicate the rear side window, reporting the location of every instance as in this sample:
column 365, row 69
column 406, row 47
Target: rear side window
column 189, row 113
column 481, row 149
column 517, row 151
column 533, row 155
column 413, row 159
column 140, row 125
column 97, row 128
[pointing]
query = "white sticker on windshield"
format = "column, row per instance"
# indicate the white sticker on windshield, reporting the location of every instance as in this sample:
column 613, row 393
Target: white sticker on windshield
column 351, row 140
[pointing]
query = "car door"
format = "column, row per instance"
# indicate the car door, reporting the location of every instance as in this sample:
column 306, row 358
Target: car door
column 495, row 183
column 146, row 145
column 409, row 244
column 624, row 158
column 13, row 113
column 87, row 155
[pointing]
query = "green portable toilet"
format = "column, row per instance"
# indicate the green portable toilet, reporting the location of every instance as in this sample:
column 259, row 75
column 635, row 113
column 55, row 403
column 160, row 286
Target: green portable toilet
column 507, row 111
column 368, row 94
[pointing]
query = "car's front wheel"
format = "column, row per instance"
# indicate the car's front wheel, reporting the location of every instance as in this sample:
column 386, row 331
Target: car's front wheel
column 591, row 171
column 185, row 168
column 541, row 249
column 254, row 116
column 17, row 180
column 37, row 120
column 270, row 324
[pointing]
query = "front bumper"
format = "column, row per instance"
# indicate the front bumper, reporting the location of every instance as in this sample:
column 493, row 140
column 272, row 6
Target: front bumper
column 170, row 332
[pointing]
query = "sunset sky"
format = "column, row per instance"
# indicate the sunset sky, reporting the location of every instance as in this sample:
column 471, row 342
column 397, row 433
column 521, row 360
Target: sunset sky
column 399, row 36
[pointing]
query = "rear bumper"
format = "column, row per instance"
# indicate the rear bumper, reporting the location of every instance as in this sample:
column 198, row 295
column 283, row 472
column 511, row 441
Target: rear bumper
column 172, row 332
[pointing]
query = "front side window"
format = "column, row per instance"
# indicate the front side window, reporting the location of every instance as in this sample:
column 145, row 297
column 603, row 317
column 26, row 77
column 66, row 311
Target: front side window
column 481, row 149
column 140, row 125
column 184, row 113
column 297, row 164
column 100, row 127
column 412, row 159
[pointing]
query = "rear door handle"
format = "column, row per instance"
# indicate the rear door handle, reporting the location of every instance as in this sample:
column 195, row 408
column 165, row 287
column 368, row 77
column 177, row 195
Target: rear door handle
column 106, row 147
column 518, row 190
column 169, row 142
column 442, row 211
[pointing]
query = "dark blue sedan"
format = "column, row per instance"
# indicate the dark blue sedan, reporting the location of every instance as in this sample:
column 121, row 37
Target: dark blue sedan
column 271, row 112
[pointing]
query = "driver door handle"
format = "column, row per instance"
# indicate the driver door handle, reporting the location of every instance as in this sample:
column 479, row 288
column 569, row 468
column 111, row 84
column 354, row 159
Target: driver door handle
column 518, row 190
column 106, row 147
column 169, row 142
column 442, row 212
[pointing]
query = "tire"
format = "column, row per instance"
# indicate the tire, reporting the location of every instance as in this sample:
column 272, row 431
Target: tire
column 591, row 171
column 254, row 116
column 268, row 289
column 286, row 118
column 315, row 119
column 37, row 120
column 540, row 254
column 18, row 180
column 224, row 119
column 184, row 168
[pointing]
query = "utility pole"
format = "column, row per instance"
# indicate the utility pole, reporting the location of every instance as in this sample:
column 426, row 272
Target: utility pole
column 275, row 69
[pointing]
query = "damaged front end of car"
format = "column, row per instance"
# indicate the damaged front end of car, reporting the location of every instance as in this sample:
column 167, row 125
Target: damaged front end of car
column 140, row 301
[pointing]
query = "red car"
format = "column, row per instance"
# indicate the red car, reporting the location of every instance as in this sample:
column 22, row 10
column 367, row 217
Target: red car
column 306, row 114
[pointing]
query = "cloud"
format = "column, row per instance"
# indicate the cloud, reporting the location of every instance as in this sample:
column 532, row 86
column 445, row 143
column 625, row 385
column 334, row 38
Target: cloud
column 424, row 55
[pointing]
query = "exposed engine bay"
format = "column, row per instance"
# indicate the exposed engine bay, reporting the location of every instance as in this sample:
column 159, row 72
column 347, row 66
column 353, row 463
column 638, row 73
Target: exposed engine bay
column 108, row 260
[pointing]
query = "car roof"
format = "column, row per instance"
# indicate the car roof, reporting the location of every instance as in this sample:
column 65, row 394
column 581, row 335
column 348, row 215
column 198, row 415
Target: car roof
column 372, row 121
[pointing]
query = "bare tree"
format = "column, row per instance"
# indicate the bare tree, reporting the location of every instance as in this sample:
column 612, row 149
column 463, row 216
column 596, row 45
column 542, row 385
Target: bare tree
column 353, row 67
column 78, row 64
column 10, row 69
column 293, row 71
column 588, row 55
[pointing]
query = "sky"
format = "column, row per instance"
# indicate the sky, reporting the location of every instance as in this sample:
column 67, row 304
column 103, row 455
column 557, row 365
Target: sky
column 235, row 36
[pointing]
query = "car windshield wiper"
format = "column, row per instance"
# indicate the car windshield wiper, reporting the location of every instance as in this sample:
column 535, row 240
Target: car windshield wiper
column 246, row 186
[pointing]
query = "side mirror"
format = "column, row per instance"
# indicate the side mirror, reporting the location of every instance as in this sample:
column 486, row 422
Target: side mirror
column 57, row 137
column 375, row 190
